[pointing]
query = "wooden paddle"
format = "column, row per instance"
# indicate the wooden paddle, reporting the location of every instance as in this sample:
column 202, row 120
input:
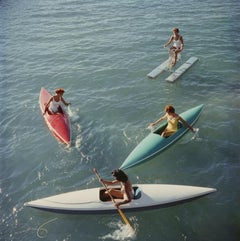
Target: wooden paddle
column 119, row 210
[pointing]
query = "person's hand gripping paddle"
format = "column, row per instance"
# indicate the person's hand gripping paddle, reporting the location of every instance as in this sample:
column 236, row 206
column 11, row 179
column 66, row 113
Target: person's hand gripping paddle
column 119, row 210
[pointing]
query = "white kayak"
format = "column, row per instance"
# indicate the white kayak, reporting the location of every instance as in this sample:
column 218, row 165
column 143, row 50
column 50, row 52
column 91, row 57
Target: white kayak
column 146, row 196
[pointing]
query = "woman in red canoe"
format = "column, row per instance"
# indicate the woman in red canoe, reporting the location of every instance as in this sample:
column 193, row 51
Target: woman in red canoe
column 54, row 104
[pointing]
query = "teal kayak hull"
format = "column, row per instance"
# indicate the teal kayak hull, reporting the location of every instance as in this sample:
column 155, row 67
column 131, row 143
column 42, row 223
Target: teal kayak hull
column 154, row 143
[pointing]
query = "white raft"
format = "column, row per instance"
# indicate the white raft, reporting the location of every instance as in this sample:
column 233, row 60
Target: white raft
column 147, row 196
column 182, row 69
column 158, row 70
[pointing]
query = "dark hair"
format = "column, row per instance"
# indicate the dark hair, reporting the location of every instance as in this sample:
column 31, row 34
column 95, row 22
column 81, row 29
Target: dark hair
column 169, row 109
column 59, row 90
column 120, row 175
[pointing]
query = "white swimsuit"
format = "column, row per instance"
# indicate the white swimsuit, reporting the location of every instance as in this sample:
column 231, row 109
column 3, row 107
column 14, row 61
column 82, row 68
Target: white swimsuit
column 54, row 105
column 177, row 43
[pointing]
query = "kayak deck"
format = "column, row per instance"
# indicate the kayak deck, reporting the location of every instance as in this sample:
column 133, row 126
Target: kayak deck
column 149, row 196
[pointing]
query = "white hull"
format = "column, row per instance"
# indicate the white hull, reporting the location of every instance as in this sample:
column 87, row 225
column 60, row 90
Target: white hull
column 181, row 70
column 87, row 201
column 158, row 70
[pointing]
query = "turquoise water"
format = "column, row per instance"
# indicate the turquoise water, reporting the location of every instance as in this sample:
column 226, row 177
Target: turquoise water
column 100, row 52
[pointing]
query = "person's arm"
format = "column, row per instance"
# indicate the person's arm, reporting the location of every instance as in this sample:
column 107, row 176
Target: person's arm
column 186, row 124
column 109, row 182
column 126, row 200
column 64, row 102
column 169, row 41
column 47, row 105
column 157, row 121
column 182, row 43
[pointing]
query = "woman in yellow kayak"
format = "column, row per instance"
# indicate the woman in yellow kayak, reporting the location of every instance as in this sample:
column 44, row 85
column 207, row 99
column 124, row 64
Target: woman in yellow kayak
column 172, row 119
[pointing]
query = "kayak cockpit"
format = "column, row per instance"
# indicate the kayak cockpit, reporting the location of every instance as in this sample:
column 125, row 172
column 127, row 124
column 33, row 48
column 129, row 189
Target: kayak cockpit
column 163, row 127
column 104, row 197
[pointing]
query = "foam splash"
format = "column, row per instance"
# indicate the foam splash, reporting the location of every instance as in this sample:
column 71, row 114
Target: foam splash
column 151, row 128
column 72, row 114
column 122, row 232
column 78, row 137
column 125, row 135
column 196, row 135
column 74, row 118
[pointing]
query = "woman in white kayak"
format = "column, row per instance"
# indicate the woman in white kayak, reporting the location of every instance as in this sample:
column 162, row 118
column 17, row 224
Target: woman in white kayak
column 125, row 193
column 177, row 46
column 54, row 104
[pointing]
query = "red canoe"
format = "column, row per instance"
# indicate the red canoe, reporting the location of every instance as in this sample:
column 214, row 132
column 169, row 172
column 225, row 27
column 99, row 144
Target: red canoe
column 58, row 124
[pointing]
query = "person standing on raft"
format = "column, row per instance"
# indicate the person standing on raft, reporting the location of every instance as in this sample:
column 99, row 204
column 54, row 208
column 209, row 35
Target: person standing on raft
column 177, row 45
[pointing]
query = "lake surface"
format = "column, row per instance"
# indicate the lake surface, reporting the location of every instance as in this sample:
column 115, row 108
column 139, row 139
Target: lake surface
column 100, row 52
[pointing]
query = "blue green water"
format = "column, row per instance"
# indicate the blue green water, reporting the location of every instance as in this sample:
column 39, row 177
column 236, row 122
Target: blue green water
column 100, row 52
